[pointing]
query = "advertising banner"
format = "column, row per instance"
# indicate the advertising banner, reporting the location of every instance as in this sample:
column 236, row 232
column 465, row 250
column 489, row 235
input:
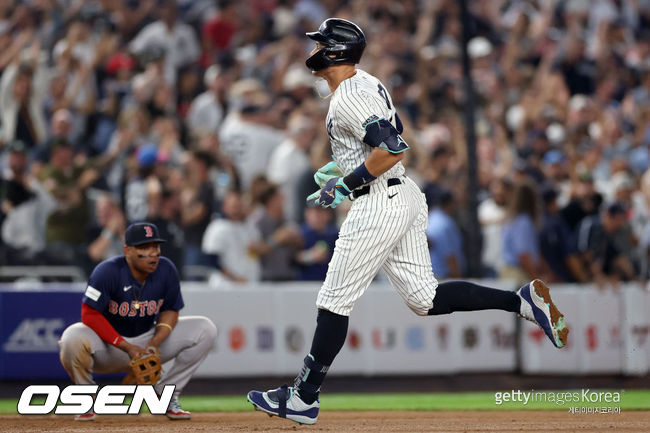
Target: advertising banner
column 31, row 323
column 266, row 329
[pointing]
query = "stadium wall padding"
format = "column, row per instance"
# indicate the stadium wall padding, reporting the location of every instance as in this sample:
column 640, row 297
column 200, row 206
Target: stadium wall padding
column 266, row 329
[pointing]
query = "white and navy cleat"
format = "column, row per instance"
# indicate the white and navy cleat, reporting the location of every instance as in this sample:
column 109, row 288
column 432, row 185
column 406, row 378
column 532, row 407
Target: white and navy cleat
column 284, row 402
column 538, row 307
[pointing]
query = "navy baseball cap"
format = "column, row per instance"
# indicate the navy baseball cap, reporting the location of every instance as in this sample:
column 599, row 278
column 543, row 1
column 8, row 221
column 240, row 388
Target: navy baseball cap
column 142, row 233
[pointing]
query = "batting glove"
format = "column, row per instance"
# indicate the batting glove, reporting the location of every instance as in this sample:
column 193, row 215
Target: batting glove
column 332, row 193
column 327, row 172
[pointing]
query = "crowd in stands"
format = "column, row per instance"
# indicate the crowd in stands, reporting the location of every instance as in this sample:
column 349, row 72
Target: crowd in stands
column 200, row 116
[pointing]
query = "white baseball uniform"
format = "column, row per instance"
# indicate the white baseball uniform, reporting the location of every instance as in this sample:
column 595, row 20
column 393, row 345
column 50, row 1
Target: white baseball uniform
column 384, row 228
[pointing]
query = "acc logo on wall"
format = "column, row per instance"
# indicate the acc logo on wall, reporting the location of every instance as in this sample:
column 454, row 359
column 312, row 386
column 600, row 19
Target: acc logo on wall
column 35, row 335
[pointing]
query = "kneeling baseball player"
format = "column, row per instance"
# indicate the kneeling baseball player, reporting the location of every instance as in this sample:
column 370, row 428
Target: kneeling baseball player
column 129, row 322
column 385, row 228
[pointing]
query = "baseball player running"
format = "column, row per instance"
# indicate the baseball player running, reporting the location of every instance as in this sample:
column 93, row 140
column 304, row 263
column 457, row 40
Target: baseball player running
column 130, row 308
column 385, row 227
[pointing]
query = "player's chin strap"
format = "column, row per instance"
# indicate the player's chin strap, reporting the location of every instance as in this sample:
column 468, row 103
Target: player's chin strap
column 322, row 83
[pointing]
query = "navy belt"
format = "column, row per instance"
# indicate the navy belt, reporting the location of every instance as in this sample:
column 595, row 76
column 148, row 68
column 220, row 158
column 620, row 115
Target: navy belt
column 366, row 189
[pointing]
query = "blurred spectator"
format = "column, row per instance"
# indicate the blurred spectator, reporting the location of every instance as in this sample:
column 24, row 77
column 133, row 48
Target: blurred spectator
column 445, row 239
column 147, row 82
column 578, row 70
column 640, row 219
column 206, row 112
column 143, row 187
column 165, row 214
column 585, row 201
column 290, row 160
column 22, row 92
column 556, row 174
column 319, row 235
column 197, row 206
column 234, row 242
column 435, row 172
column 68, row 183
column 25, row 206
column 73, row 85
column 223, row 174
column 129, row 132
column 189, row 86
column 114, row 93
column 557, row 244
column 598, row 246
column 106, row 233
column 281, row 240
column 175, row 38
column 491, row 215
column 245, row 135
column 60, row 127
column 218, row 31
column 521, row 255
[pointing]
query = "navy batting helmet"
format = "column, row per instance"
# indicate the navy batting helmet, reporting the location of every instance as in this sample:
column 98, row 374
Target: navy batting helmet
column 342, row 40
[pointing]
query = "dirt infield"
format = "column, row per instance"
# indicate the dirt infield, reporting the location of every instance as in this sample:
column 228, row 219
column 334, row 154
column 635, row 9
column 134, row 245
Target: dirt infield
column 411, row 422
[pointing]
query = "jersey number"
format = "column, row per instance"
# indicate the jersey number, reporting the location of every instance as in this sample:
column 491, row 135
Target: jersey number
column 384, row 95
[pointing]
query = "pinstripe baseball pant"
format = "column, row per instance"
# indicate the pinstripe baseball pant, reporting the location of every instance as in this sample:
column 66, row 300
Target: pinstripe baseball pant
column 384, row 229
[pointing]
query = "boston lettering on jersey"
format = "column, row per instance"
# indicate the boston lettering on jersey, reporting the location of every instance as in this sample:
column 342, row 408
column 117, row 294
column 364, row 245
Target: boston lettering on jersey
column 130, row 307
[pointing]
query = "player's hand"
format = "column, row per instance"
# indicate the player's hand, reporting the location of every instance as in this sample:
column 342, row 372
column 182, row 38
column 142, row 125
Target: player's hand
column 327, row 172
column 135, row 351
column 331, row 194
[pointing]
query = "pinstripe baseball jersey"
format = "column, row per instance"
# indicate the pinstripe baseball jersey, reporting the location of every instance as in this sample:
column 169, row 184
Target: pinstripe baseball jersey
column 356, row 102
column 385, row 228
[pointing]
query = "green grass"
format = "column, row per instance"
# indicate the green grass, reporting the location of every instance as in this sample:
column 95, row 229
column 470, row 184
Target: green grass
column 630, row 400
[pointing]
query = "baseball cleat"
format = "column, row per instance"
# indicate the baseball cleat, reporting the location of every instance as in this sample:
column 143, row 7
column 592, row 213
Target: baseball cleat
column 285, row 403
column 174, row 411
column 538, row 307
column 88, row 416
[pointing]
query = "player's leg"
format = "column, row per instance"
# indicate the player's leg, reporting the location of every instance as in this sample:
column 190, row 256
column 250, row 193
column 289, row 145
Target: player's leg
column 532, row 302
column 365, row 239
column 76, row 352
column 82, row 353
column 467, row 296
column 189, row 343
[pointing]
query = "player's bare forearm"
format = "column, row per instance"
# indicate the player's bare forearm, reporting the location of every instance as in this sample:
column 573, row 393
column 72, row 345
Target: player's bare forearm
column 380, row 161
column 131, row 349
column 166, row 322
